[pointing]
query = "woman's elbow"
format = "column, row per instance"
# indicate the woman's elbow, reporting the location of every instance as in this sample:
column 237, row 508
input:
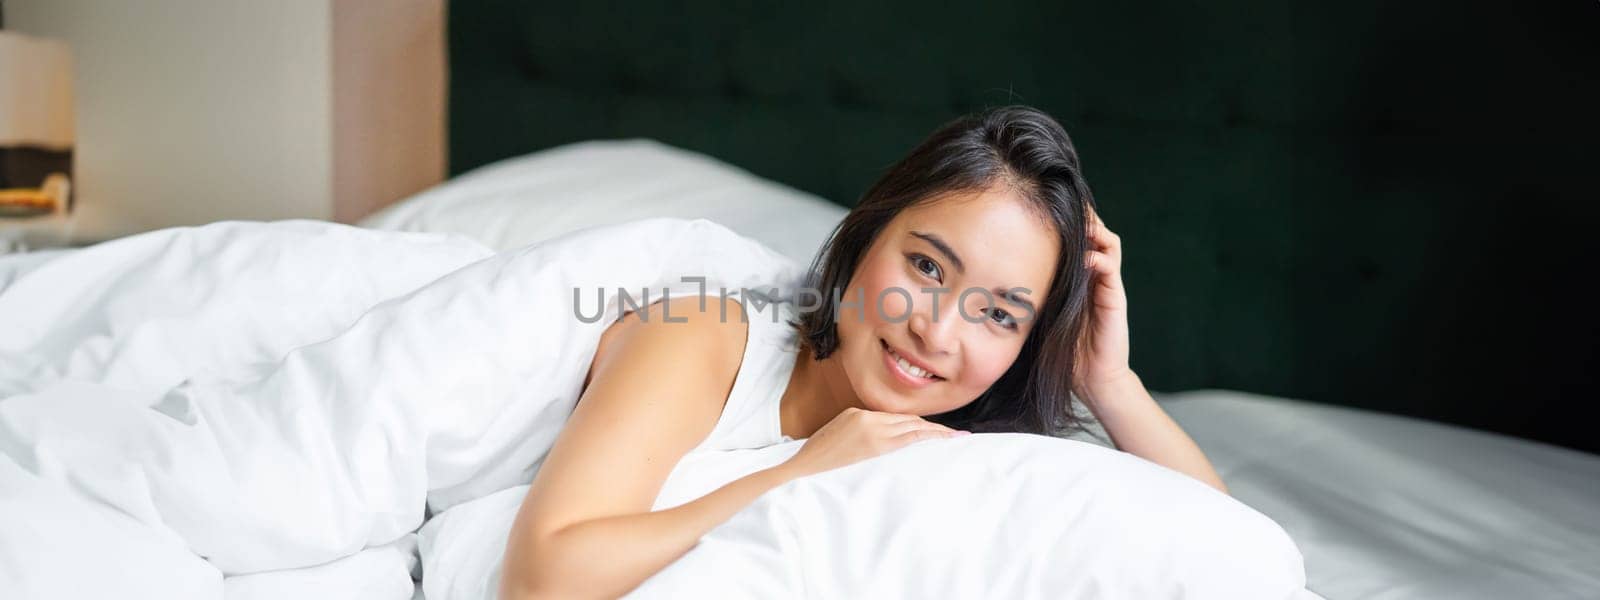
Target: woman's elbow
column 522, row 578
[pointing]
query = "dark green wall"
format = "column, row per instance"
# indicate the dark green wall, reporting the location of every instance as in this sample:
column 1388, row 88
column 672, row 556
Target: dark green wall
column 1374, row 204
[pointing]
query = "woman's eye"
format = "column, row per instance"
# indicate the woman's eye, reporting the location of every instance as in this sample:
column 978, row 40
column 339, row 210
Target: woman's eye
column 926, row 266
column 1005, row 319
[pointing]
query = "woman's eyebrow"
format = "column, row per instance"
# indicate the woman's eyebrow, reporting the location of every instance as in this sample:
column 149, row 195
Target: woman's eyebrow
column 939, row 243
column 944, row 248
column 1017, row 299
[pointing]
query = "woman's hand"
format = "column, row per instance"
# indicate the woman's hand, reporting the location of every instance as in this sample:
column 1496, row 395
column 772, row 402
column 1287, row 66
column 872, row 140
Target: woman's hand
column 1102, row 379
column 1102, row 361
column 856, row 435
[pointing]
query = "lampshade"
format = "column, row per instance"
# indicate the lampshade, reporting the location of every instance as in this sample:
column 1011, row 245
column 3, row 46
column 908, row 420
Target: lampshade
column 36, row 125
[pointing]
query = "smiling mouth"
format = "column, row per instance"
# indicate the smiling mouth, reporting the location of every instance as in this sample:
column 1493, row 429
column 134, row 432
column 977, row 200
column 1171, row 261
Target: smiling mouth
column 906, row 367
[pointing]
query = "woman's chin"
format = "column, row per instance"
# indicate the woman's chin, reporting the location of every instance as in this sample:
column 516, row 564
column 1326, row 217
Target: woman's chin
column 889, row 401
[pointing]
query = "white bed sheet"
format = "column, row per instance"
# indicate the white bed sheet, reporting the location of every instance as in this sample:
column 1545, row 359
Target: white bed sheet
column 14, row 265
column 1384, row 506
column 384, row 572
column 223, row 392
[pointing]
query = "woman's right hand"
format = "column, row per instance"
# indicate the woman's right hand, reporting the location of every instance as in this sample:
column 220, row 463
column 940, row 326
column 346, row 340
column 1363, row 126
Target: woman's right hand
column 856, row 435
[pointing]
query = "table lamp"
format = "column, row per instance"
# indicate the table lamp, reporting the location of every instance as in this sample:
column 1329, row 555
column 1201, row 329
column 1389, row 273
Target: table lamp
column 36, row 126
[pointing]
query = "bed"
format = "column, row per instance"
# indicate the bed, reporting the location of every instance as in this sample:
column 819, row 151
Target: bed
column 1289, row 355
column 1379, row 505
column 1382, row 506
column 560, row 123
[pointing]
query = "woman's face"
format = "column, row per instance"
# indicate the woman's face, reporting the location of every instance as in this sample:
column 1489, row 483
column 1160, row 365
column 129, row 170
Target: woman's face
column 964, row 244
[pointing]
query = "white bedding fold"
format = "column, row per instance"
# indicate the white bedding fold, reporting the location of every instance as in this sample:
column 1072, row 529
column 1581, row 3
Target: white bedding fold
column 147, row 311
column 380, row 573
column 436, row 396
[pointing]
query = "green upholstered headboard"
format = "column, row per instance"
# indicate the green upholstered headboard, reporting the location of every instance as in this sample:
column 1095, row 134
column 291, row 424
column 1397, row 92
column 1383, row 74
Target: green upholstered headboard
column 1302, row 190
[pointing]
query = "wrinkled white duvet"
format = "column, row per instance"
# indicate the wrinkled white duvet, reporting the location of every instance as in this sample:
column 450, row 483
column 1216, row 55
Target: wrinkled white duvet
column 275, row 410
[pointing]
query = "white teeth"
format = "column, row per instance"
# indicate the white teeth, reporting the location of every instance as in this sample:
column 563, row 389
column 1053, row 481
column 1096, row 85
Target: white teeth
column 910, row 368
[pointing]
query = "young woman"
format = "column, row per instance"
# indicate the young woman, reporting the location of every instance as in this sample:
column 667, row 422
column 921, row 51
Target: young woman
column 973, row 288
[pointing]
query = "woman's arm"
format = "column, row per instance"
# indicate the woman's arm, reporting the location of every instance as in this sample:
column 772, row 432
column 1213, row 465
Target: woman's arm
column 1102, row 379
column 1140, row 427
column 657, row 388
column 610, row 556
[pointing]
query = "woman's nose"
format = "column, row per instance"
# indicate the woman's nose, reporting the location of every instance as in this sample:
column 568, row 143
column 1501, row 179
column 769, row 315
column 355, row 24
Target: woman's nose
column 935, row 329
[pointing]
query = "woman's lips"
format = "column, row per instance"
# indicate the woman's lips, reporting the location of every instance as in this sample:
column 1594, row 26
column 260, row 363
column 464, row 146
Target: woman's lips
column 893, row 365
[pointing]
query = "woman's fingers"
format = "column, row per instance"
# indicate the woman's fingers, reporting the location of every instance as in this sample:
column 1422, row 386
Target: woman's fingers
column 1102, row 237
column 897, row 425
column 898, row 418
column 915, row 425
column 917, row 435
column 1101, row 262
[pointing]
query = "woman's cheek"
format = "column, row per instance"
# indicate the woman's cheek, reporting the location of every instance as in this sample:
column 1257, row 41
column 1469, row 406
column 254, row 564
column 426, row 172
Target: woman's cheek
column 984, row 368
column 882, row 295
column 890, row 304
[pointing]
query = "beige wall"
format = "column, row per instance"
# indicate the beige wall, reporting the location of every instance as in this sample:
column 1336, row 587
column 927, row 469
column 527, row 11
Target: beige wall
column 192, row 111
column 388, row 102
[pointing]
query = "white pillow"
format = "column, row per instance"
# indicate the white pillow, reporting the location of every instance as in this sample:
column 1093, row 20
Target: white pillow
column 530, row 198
column 985, row 516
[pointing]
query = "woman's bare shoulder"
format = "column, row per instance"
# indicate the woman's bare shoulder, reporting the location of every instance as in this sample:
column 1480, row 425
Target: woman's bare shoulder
column 656, row 393
column 684, row 321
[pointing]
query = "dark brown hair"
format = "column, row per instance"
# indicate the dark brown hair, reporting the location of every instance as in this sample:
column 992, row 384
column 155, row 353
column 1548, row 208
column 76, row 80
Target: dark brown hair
column 1015, row 145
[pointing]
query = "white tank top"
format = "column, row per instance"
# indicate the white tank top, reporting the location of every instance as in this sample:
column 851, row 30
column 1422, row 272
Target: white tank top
column 750, row 419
